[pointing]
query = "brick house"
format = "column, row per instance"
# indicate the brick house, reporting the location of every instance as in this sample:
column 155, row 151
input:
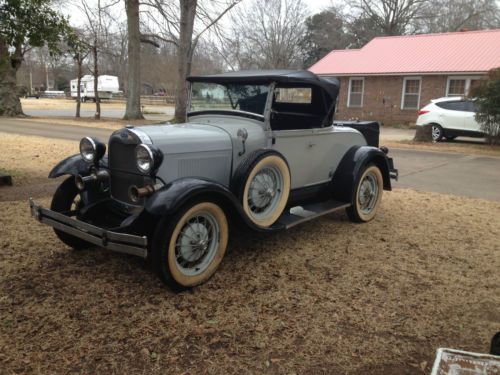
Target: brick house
column 390, row 78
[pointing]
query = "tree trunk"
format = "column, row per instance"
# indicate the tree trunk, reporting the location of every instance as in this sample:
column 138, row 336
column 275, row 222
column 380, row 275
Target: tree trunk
column 79, row 62
column 423, row 134
column 188, row 12
column 97, row 115
column 10, row 105
column 133, row 110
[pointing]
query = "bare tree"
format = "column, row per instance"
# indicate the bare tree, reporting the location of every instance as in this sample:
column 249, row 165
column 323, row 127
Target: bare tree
column 79, row 50
column 175, row 22
column 455, row 15
column 393, row 17
column 268, row 34
column 97, row 28
column 133, row 109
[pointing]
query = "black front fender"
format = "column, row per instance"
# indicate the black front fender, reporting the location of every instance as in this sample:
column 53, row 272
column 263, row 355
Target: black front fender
column 352, row 164
column 170, row 198
column 74, row 165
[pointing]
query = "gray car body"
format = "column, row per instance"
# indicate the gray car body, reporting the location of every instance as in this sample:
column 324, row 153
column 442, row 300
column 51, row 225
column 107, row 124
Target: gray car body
column 208, row 146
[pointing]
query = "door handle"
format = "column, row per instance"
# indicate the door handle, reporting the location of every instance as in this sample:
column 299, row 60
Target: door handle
column 311, row 144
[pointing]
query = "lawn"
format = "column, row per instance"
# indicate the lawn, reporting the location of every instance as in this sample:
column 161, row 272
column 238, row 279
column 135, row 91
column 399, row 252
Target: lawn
column 326, row 297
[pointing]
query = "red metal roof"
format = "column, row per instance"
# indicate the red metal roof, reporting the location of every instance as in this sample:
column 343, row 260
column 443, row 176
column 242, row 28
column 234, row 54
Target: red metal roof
column 458, row 52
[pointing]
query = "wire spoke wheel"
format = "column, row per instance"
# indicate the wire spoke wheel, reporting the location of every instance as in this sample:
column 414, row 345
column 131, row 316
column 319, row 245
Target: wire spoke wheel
column 266, row 190
column 197, row 243
column 68, row 200
column 189, row 246
column 367, row 195
column 265, row 187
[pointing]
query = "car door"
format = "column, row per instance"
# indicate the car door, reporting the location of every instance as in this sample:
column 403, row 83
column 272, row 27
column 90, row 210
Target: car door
column 452, row 115
column 308, row 153
column 470, row 123
column 297, row 122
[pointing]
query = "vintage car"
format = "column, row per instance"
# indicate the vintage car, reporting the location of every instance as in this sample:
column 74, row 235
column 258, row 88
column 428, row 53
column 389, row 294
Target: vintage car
column 259, row 150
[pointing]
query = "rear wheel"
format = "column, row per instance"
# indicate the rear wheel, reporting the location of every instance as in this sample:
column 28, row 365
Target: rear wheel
column 189, row 247
column 368, row 194
column 67, row 198
column 437, row 132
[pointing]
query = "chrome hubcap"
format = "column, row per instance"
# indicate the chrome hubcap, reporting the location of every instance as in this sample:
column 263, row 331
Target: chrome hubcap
column 197, row 244
column 368, row 193
column 265, row 192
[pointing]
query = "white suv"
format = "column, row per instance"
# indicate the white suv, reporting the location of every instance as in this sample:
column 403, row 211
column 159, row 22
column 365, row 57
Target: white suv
column 450, row 118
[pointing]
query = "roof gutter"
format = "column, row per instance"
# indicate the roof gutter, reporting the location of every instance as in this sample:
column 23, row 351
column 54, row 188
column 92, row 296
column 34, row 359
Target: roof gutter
column 401, row 74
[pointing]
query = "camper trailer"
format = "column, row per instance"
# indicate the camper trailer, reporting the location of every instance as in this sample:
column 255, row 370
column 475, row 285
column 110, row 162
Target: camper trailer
column 106, row 87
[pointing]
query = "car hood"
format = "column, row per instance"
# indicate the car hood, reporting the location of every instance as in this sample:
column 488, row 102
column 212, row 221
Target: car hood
column 188, row 137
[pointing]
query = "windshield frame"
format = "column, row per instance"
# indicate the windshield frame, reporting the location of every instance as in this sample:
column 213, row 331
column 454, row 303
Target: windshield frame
column 232, row 112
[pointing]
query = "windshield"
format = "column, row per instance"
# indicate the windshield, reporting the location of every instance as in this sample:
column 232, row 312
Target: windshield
column 240, row 97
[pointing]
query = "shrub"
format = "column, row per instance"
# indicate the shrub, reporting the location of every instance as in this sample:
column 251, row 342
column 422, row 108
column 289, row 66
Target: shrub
column 487, row 98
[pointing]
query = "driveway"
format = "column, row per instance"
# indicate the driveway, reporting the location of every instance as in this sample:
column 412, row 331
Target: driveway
column 468, row 175
column 459, row 174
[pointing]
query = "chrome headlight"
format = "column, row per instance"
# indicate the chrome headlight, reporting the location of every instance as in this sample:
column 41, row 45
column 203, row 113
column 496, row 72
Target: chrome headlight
column 148, row 158
column 91, row 149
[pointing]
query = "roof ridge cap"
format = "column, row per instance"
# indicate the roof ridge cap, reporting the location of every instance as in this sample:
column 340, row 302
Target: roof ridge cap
column 433, row 34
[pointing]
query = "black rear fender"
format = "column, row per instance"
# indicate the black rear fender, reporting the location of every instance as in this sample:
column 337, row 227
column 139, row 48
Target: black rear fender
column 352, row 165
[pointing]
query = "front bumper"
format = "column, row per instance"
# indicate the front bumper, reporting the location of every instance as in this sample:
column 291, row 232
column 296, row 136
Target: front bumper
column 119, row 242
column 393, row 172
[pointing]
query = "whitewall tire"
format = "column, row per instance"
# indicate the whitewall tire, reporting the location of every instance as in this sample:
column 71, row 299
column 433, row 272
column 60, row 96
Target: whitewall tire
column 189, row 247
column 367, row 196
column 264, row 187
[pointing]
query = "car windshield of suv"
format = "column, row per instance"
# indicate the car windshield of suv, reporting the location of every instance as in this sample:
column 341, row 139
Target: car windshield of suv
column 228, row 97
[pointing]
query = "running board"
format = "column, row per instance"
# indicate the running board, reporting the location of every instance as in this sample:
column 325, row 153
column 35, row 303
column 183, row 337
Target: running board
column 299, row 214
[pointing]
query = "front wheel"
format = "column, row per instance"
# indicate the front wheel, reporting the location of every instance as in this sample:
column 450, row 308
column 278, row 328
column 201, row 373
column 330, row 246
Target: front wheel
column 66, row 199
column 189, row 247
column 367, row 196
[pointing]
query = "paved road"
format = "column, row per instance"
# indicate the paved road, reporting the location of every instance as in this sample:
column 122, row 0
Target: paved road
column 467, row 175
column 69, row 132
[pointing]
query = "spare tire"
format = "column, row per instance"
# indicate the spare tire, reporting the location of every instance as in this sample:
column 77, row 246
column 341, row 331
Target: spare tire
column 262, row 184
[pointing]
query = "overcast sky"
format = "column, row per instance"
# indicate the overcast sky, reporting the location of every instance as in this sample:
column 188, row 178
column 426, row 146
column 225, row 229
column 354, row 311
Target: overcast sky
column 70, row 10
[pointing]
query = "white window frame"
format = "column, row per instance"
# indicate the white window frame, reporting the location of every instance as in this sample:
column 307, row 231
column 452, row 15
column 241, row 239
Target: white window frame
column 403, row 92
column 467, row 80
column 362, row 92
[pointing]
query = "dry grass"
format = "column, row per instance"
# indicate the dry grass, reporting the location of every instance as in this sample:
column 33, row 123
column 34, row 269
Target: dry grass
column 470, row 148
column 29, row 159
column 326, row 297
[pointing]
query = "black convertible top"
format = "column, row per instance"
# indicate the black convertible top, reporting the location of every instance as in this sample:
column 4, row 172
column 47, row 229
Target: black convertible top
column 329, row 84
